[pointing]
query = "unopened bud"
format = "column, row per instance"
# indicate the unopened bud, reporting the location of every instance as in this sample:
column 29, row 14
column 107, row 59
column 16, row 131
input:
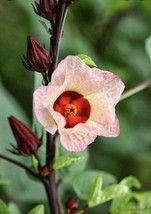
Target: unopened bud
column 37, row 57
column 72, row 204
column 27, row 141
column 44, row 170
column 46, row 9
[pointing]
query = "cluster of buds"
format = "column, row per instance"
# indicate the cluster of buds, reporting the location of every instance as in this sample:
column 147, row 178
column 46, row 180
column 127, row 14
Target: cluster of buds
column 46, row 9
column 37, row 58
column 27, row 141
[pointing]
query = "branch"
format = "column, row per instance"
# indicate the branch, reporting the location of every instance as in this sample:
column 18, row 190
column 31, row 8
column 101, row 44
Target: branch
column 28, row 169
column 57, row 34
column 50, row 182
column 136, row 89
column 50, row 149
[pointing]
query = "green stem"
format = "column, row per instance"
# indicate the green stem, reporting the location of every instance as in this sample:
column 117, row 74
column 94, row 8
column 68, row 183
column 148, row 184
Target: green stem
column 135, row 90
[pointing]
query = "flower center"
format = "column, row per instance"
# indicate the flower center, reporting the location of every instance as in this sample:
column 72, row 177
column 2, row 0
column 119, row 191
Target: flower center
column 74, row 107
column 70, row 110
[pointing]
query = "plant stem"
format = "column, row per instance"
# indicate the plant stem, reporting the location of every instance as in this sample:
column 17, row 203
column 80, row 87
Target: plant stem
column 50, row 149
column 27, row 168
column 50, row 181
column 55, row 40
column 52, row 193
column 136, row 89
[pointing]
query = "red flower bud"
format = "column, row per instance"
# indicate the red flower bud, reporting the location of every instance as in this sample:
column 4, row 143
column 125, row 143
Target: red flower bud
column 44, row 170
column 72, row 204
column 46, row 9
column 37, row 58
column 27, row 141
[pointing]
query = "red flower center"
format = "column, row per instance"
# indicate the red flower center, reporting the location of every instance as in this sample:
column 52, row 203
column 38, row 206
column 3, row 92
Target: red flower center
column 74, row 107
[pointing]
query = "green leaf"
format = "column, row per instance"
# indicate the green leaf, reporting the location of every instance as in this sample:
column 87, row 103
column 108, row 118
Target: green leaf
column 39, row 209
column 143, row 199
column 3, row 208
column 66, row 161
column 148, row 46
column 132, row 203
column 44, row 26
column 97, row 196
column 13, row 208
column 124, row 204
column 72, row 169
column 131, row 181
column 95, row 192
column 87, row 60
column 4, row 182
column 83, row 182
column 34, row 162
column 113, row 191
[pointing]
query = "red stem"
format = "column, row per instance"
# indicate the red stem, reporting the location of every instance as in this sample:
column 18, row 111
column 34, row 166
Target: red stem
column 50, row 181
column 27, row 168
column 55, row 40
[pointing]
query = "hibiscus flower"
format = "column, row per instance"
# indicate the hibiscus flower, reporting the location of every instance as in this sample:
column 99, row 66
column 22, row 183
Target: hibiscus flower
column 80, row 103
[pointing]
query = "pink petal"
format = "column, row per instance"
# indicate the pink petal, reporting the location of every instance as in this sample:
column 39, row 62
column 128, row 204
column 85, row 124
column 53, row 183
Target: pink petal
column 106, row 129
column 103, row 103
column 102, row 89
column 40, row 104
column 77, row 138
column 76, row 76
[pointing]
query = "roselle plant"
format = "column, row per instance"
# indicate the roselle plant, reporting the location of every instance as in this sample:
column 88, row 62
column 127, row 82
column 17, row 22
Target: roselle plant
column 75, row 103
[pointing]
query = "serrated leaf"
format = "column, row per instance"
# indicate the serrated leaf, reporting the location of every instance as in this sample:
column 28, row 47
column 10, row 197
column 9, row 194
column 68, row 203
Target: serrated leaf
column 66, row 161
column 83, row 182
column 44, row 25
column 131, row 181
column 3, row 208
column 39, row 209
column 87, row 60
column 95, row 192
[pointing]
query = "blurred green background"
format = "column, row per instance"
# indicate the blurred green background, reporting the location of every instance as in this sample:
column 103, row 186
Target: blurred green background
column 116, row 35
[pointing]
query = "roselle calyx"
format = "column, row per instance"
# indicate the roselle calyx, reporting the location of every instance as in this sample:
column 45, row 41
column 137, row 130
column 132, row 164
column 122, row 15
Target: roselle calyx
column 44, row 171
column 27, row 141
column 46, row 9
column 37, row 57
column 72, row 204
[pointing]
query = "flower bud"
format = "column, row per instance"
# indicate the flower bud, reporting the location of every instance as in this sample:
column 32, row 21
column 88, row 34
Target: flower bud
column 37, row 58
column 44, row 171
column 72, row 204
column 46, row 9
column 27, row 141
